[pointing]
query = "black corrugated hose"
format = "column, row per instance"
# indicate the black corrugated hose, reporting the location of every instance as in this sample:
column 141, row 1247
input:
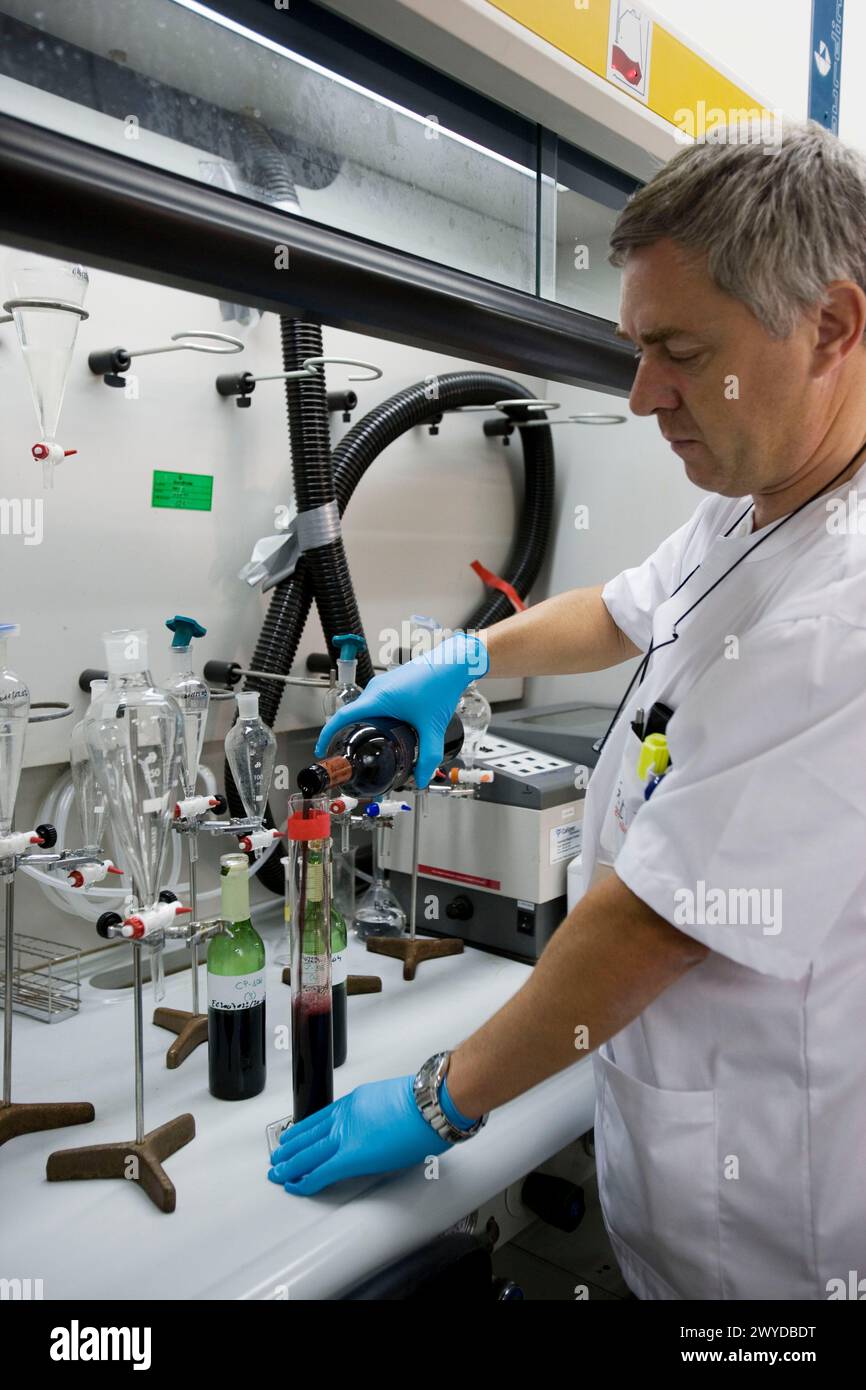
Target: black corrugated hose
column 324, row 572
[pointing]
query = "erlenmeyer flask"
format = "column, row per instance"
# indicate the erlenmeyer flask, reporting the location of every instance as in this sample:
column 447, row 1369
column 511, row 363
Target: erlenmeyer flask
column 134, row 737
column 89, row 796
column 377, row 912
column 46, row 333
column 14, row 713
column 251, row 749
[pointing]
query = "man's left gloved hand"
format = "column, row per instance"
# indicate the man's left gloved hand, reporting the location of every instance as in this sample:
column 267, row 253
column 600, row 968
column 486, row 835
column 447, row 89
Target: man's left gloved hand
column 375, row 1129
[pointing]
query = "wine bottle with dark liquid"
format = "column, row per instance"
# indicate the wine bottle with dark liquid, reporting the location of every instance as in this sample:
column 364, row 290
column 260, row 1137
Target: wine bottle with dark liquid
column 370, row 758
column 236, row 992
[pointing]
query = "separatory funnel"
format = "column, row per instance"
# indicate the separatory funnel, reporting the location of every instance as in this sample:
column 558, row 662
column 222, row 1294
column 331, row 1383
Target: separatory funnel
column 191, row 694
column 251, row 751
column 134, row 737
column 46, row 303
column 89, row 797
column 190, row 812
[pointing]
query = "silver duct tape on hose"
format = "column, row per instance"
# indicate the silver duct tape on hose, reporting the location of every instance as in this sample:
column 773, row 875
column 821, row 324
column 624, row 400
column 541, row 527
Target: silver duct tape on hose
column 306, row 531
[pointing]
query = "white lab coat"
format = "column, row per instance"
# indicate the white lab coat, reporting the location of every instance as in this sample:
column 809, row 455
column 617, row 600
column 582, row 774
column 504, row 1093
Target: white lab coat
column 731, row 1114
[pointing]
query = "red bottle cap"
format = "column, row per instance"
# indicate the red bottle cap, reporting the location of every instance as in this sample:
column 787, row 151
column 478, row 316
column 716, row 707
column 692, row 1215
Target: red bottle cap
column 301, row 827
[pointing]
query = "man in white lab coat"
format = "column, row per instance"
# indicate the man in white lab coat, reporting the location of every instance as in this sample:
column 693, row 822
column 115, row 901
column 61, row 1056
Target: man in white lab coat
column 717, row 959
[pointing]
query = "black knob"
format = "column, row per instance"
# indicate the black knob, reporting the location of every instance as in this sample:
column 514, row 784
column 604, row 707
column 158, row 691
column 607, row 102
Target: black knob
column 226, row 673
column 109, row 362
column 236, row 384
column 556, row 1200
column 221, row 805
column 320, row 663
column 90, row 674
column 166, row 896
column 108, row 919
column 48, row 835
column 460, row 909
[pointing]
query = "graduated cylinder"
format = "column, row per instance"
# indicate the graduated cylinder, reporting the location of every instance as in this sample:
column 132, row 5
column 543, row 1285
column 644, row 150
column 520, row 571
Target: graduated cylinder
column 308, row 913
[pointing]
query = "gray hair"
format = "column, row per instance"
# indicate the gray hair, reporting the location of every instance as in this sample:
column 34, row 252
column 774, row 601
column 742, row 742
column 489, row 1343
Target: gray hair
column 778, row 222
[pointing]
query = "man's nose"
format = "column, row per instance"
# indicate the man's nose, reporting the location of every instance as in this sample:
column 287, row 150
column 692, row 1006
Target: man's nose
column 653, row 389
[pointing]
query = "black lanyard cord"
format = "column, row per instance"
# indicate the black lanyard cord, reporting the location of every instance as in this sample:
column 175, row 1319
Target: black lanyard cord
column 641, row 671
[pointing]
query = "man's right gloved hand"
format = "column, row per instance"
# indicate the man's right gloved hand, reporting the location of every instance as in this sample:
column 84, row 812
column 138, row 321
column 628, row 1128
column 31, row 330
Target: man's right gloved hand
column 424, row 693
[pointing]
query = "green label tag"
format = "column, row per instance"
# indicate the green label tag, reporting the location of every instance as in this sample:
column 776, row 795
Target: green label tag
column 189, row 491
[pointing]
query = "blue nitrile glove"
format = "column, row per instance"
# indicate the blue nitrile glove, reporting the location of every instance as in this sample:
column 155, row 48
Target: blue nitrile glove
column 424, row 693
column 374, row 1129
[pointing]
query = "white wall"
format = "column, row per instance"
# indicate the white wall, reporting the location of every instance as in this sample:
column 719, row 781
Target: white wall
column 766, row 45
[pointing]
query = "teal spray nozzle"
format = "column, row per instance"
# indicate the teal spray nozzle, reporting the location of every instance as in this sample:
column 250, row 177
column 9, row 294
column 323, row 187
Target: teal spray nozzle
column 184, row 629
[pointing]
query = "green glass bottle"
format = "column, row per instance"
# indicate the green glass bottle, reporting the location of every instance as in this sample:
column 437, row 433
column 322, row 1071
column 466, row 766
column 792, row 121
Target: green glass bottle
column 236, row 992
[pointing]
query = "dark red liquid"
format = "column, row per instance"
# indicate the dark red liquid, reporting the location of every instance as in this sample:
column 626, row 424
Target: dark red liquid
column 312, row 1058
column 236, row 1052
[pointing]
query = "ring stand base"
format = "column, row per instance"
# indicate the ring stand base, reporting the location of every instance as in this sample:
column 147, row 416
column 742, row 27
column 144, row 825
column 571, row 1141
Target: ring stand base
column 413, row 950
column 191, row 1032
column 23, row 1118
column 114, row 1161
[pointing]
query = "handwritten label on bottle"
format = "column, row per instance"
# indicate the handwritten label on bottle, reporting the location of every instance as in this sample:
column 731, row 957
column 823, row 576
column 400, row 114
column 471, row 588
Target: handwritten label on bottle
column 233, row 992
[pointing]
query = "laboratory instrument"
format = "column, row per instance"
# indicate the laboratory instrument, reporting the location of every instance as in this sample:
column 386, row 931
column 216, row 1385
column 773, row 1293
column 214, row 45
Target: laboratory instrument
column 236, row 992
column 89, row 798
column 495, row 854
column 134, row 737
column 344, row 692
column 308, row 904
column 46, row 304
column 346, row 689
column 193, row 698
column 251, row 750
column 570, row 731
column 377, row 912
column 16, row 848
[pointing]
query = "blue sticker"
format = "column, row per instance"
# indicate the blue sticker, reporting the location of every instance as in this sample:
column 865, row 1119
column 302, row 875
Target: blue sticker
column 825, row 62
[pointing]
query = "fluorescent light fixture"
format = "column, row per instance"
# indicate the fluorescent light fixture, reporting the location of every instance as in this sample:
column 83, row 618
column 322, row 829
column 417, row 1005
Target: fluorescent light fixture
column 202, row 10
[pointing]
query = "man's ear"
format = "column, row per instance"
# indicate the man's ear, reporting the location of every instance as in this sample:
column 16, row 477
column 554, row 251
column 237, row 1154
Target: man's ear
column 841, row 324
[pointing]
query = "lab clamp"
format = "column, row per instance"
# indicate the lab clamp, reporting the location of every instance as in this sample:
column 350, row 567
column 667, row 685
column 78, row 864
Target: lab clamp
column 523, row 413
column 31, row 847
column 111, row 363
column 241, row 385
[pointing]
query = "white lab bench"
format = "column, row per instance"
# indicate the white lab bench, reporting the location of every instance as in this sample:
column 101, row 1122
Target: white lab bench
column 234, row 1234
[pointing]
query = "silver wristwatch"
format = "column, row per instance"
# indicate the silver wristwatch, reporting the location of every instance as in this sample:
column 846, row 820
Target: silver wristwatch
column 426, row 1088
